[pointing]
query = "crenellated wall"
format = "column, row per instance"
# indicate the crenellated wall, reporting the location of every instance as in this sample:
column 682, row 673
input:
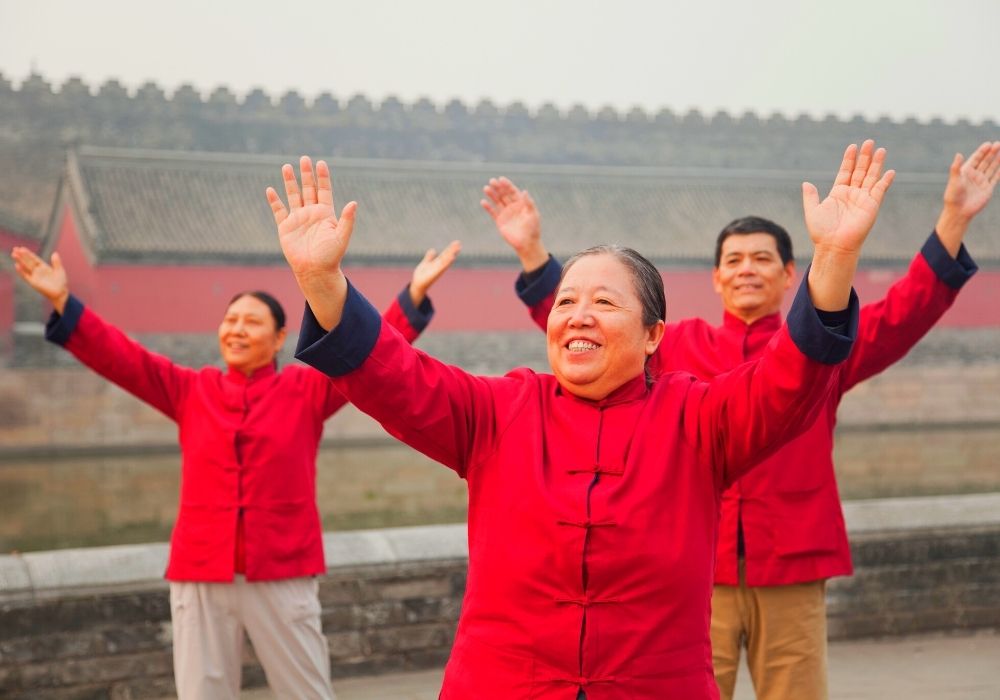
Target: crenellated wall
column 112, row 115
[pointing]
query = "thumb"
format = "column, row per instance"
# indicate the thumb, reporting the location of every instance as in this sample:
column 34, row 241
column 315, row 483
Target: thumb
column 810, row 197
column 429, row 255
column 347, row 218
column 56, row 260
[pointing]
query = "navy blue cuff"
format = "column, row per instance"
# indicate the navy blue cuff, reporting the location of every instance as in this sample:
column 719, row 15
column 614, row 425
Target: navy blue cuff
column 813, row 337
column 418, row 316
column 954, row 272
column 60, row 327
column 541, row 284
column 347, row 346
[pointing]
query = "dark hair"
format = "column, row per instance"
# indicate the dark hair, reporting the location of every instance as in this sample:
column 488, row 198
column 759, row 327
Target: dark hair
column 277, row 313
column 756, row 224
column 646, row 278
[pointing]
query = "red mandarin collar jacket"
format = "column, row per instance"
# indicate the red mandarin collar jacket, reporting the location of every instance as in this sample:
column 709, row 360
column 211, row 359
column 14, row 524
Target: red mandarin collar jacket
column 592, row 525
column 789, row 507
column 248, row 447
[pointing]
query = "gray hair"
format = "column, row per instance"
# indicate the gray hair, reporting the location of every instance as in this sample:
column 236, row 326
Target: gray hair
column 645, row 277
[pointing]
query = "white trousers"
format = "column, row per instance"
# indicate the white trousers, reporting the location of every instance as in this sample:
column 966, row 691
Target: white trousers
column 282, row 619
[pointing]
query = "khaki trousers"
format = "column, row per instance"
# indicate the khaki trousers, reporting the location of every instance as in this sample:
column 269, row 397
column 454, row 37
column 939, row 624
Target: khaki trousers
column 784, row 631
column 282, row 619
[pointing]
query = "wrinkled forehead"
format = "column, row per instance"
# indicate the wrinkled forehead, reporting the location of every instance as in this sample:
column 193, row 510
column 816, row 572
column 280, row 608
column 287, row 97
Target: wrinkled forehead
column 601, row 272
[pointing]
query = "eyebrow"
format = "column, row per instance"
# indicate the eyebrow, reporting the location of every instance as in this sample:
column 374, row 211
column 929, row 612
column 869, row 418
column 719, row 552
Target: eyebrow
column 759, row 251
column 601, row 288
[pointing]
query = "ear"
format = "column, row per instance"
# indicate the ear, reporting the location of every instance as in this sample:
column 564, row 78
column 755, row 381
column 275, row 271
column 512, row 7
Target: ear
column 789, row 274
column 279, row 339
column 716, row 280
column 654, row 336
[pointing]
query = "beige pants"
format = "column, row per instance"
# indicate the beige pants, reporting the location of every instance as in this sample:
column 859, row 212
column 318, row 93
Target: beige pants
column 282, row 621
column 784, row 631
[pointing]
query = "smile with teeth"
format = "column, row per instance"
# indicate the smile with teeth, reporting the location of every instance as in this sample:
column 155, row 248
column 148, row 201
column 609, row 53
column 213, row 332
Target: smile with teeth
column 581, row 346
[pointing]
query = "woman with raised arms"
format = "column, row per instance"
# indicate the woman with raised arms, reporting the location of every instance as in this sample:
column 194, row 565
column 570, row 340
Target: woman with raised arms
column 593, row 491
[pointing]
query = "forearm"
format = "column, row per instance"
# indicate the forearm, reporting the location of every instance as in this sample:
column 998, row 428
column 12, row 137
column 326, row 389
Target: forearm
column 951, row 227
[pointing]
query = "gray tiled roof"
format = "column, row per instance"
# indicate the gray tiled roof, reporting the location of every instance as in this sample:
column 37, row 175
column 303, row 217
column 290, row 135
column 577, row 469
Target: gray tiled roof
column 157, row 206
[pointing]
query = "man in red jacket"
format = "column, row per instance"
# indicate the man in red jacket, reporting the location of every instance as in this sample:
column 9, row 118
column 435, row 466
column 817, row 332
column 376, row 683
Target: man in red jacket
column 782, row 532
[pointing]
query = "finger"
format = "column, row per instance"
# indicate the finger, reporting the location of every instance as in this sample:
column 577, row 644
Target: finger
column 882, row 186
column 308, row 181
column 862, row 163
column 492, row 193
column 956, row 165
column 846, row 166
column 508, row 188
column 291, row 187
column 529, row 200
column 993, row 170
column 449, row 254
column 324, row 183
column 277, row 206
column 56, row 262
column 810, row 197
column 428, row 256
column 489, row 209
column 874, row 170
column 979, row 154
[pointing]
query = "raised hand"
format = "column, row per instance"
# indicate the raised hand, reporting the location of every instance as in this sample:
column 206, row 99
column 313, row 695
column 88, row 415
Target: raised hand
column 428, row 270
column 841, row 222
column 48, row 280
column 313, row 240
column 971, row 183
column 517, row 219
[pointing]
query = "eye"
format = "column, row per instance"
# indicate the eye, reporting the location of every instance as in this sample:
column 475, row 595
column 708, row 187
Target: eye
column 564, row 301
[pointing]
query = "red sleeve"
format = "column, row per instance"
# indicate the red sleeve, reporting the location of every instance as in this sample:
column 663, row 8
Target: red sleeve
column 891, row 327
column 402, row 315
column 103, row 348
column 742, row 416
column 439, row 410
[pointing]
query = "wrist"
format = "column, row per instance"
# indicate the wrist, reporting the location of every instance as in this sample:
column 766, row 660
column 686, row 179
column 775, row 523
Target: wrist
column 951, row 227
column 533, row 257
column 417, row 294
column 831, row 276
column 59, row 301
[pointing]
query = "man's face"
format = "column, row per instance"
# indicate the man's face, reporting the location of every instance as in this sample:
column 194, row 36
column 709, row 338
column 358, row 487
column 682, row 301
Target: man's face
column 750, row 278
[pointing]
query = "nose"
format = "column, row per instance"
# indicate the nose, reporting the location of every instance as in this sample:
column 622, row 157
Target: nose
column 581, row 317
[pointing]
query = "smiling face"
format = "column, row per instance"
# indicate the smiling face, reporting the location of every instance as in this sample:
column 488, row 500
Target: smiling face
column 750, row 277
column 596, row 338
column 248, row 338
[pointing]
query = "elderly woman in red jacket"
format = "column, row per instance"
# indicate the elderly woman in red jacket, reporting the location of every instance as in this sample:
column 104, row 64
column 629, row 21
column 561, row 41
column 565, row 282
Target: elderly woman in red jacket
column 593, row 492
column 247, row 543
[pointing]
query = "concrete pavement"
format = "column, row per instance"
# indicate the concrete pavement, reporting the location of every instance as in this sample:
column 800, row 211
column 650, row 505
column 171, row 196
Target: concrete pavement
column 916, row 668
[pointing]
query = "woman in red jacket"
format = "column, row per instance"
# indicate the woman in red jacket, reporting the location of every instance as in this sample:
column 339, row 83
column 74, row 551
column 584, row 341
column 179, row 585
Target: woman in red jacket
column 593, row 492
column 247, row 543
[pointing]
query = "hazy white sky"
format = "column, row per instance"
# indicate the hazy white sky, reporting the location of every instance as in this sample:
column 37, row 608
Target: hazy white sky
column 899, row 58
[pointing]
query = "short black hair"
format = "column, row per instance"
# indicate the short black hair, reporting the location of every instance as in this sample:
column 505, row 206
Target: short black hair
column 756, row 224
column 277, row 312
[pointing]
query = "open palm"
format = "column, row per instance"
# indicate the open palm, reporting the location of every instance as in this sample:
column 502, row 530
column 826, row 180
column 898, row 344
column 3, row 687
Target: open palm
column 844, row 218
column 48, row 280
column 970, row 184
column 514, row 213
column 312, row 238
